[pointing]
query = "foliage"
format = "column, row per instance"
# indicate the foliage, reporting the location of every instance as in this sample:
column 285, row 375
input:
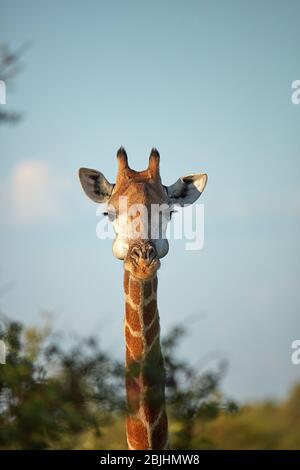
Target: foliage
column 191, row 396
column 266, row 425
column 10, row 66
column 50, row 396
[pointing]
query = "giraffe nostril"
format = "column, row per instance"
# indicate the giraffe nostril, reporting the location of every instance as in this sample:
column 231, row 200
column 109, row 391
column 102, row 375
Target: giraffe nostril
column 151, row 254
column 135, row 254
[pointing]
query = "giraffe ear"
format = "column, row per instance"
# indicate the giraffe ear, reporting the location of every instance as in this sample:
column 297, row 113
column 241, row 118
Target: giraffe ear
column 187, row 189
column 95, row 185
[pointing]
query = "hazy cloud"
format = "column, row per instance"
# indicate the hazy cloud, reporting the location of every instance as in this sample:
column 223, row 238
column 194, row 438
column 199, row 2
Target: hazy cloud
column 33, row 192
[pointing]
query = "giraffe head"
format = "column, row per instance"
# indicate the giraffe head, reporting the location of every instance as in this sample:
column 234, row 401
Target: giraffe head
column 140, row 207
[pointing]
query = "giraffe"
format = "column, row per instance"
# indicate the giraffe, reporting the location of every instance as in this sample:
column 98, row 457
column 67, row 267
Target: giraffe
column 141, row 251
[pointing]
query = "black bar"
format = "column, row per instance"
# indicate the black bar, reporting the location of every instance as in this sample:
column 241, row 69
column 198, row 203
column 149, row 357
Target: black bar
column 146, row 459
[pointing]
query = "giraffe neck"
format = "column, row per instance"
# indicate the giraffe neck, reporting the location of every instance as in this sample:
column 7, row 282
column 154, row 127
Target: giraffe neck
column 146, row 421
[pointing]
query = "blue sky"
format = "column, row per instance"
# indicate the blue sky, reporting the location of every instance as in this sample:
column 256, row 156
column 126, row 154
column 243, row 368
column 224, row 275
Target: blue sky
column 209, row 84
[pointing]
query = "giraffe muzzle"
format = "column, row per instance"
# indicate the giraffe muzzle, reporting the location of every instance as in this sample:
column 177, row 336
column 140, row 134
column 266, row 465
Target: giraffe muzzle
column 142, row 260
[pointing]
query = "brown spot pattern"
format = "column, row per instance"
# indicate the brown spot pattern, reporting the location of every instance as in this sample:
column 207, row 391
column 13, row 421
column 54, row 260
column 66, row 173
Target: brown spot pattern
column 160, row 432
column 132, row 318
column 126, row 282
column 152, row 403
column 129, row 358
column 147, row 289
column 134, row 390
column 152, row 332
column 149, row 312
column 135, row 291
column 137, row 433
column 134, row 343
